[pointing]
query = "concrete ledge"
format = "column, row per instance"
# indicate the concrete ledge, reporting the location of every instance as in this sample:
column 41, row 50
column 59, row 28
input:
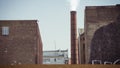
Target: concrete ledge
column 59, row 66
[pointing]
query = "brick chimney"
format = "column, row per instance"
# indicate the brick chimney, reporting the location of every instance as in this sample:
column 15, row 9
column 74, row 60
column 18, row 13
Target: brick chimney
column 73, row 37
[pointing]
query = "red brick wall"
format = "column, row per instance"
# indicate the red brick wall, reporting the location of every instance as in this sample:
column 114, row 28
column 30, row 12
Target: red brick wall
column 21, row 45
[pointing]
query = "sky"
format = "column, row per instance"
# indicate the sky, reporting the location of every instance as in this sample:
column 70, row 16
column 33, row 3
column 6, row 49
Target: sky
column 53, row 17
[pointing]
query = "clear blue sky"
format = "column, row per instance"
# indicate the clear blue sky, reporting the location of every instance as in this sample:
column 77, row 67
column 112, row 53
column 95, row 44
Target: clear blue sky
column 53, row 16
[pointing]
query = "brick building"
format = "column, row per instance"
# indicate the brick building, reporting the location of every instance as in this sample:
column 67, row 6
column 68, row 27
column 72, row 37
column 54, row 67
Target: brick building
column 20, row 42
column 97, row 17
column 81, row 46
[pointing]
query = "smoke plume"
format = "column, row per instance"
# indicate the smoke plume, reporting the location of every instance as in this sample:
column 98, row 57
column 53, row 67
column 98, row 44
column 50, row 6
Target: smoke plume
column 73, row 4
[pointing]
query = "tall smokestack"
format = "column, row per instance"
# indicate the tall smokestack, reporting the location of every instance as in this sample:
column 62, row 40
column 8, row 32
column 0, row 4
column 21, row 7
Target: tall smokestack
column 73, row 37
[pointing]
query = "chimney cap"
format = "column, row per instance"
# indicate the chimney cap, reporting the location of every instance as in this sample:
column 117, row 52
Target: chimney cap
column 73, row 12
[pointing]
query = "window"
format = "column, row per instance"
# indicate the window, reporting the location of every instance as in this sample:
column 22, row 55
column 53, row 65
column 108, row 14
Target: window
column 5, row 30
column 59, row 58
column 46, row 60
column 61, row 54
column 55, row 59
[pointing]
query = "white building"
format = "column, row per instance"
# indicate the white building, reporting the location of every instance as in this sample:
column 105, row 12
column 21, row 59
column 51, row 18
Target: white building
column 55, row 57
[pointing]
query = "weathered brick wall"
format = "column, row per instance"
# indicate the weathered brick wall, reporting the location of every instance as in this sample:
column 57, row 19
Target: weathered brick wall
column 39, row 48
column 21, row 45
column 105, row 44
column 82, row 49
column 96, row 17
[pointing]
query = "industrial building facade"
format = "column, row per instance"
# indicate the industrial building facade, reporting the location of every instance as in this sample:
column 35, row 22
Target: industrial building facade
column 81, row 46
column 97, row 49
column 55, row 57
column 20, row 42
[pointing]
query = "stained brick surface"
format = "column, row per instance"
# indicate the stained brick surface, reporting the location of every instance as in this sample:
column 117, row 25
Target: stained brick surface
column 105, row 44
column 96, row 17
